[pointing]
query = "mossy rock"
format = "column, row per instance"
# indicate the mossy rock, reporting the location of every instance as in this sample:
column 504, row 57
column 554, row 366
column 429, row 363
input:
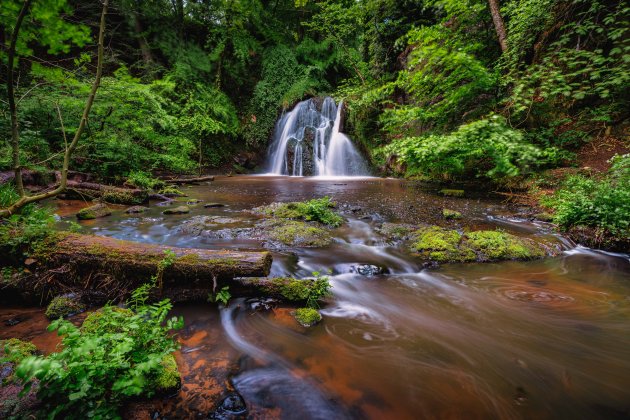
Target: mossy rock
column 396, row 231
column 94, row 321
column 441, row 245
column 318, row 210
column 451, row 214
column 292, row 289
column 307, row 317
column 15, row 350
column 168, row 379
column 93, row 212
column 177, row 210
column 446, row 245
column 136, row 209
column 63, row 306
column 120, row 196
column 298, row 234
column 171, row 191
column 452, row 193
column 497, row 245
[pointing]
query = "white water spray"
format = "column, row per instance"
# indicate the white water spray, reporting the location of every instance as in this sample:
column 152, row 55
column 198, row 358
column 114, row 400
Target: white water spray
column 316, row 143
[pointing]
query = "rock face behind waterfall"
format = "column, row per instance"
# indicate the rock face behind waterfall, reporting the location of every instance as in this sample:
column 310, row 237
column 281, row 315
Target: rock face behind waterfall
column 308, row 141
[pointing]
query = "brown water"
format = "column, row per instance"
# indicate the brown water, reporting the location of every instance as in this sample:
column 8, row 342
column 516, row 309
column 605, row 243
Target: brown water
column 542, row 339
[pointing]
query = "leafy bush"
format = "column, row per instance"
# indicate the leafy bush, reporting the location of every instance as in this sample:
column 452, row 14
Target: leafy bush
column 20, row 233
column 144, row 180
column 120, row 354
column 486, row 148
column 601, row 203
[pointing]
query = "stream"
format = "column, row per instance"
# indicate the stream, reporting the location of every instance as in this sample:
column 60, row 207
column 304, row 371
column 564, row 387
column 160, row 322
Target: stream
column 512, row 340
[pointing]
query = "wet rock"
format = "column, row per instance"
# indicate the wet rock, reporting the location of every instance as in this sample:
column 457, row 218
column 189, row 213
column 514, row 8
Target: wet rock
column 452, row 193
column 177, row 210
column 11, row 322
column 296, row 233
column 64, row 306
column 213, row 205
column 232, row 407
column 446, row 245
column 451, row 214
column 93, row 212
column 396, row 231
column 165, row 203
column 369, row 270
column 200, row 224
column 193, row 201
column 261, row 304
column 307, row 317
column 136, row 209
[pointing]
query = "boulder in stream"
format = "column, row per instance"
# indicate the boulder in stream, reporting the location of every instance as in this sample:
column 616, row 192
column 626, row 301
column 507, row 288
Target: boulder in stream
column 93, row 212
column 136, row 209
column 177, row 210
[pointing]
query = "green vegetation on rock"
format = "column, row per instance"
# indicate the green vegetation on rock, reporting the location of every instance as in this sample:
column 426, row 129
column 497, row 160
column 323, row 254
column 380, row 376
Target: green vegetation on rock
column 295, row 233
column 451, row 214
column 316, row 210
column 93, row 212
column 63, row 306
column 298, row 290
column 15, row 350
column 307, row 317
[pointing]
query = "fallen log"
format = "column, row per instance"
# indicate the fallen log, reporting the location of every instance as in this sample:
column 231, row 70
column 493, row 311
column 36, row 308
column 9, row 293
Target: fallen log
column 107, row 193
column 112, row 268
column 180, row 181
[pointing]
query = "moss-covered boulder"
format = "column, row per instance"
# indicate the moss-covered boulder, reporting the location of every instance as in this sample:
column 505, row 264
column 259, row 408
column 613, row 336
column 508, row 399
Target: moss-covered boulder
column 12, row 352
column 446, row 245
column 168, row 379
column 122, row 196
column 93, row 212
column 136, row 209
column 177, row 210
column 64, row 306
column 451, row 214
column 317, row 210
column 296, row 233
column 396, row 231
column 307, row 317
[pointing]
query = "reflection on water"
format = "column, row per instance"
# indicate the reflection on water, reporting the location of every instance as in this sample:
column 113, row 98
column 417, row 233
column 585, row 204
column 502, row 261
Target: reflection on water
column 542, row 339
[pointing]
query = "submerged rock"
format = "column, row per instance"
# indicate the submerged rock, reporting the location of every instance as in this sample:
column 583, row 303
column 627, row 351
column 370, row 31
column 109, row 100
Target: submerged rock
column 369, row 270
column 136, row 209
column 213, row 205
column 93, row 212
column 177, row 210
column 232, row 407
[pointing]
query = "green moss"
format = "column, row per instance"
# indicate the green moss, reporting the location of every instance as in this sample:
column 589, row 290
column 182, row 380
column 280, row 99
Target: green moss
column 452, row 193
column 297, row 290
column 451, row 214
column 98, row 210
column 15, row 350
column 62, row 306
column 294, row 233
column 441, row 245
column 171, row 190
column 177, row 210
column 168, row 378
column 95, row 321
column 118, row 196
column 498, row 245
column 317, row 210
column 307, row 316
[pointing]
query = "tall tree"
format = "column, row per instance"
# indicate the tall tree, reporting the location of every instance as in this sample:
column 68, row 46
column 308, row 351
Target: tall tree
column 15, row 135
column 498, row 23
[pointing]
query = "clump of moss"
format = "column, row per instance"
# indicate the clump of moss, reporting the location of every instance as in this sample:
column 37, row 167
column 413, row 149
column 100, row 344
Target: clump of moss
column 171, row 191
column 168, row 379
column 451, row 214
column 94, row 321
column 446, row 245
column 298, row 290
column 307, row 317
column 441, row 245
column 63, row 306
column 15, row 350
column 316, row 210
column 93, row 212
column 498, row 245
column 295, row 233
column 177, row 210
column 452, row 193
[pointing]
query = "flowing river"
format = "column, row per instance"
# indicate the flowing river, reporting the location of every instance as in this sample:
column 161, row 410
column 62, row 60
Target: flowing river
column 541, row 339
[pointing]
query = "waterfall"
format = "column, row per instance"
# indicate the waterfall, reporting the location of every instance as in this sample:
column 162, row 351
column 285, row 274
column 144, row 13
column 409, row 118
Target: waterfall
column 308, row 141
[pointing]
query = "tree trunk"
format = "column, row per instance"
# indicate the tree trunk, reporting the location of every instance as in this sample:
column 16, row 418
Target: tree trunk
column 142, row 41
column 111, row 268
column 24, row 199
column 498, row 24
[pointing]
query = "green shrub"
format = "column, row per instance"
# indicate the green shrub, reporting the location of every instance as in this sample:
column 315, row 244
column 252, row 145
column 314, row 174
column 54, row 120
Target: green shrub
column 486, row 148
column 144, row 180
column 600, row 203
column 119, row 355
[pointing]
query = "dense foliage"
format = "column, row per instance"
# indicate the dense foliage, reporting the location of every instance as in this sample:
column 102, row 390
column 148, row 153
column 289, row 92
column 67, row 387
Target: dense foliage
column 116, row 355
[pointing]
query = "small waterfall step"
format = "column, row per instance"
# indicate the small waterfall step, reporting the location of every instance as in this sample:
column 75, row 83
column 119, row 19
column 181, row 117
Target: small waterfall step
column 308, row 141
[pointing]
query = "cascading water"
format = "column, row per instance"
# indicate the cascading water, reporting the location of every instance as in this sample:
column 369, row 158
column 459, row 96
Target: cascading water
column 308, row 141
